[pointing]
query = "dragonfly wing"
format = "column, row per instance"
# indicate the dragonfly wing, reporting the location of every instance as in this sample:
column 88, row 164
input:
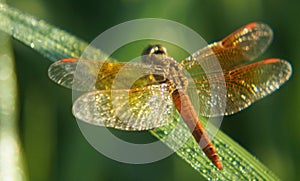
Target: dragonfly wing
column 74, row 73
column 246, row 43
column 245, row 85
column 87, row 75
column 135, row 109
column 238, row 48
column 250, row 83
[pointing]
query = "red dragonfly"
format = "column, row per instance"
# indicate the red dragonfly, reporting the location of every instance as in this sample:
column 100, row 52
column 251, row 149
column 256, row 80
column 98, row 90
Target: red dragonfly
column 164, row 86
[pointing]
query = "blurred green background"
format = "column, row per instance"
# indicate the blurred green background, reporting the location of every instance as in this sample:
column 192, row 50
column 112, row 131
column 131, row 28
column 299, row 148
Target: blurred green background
column 54, row 148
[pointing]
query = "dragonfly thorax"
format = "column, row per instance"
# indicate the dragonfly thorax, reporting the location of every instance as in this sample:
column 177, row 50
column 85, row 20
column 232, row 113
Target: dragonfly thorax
column 157, row 55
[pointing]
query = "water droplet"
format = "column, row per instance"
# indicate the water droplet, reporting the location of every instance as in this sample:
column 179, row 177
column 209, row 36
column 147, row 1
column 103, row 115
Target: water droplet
column 225, row 145
column 243, row 96
column 235, row 163
column 254, row 88
column 242, row 168
column 188, row 150
column 204, row 171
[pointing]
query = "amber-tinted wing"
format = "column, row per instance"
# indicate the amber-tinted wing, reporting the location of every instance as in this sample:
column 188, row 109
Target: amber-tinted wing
column 135, row 109
column 87, row 75
column 238, row 48
column 245, row 85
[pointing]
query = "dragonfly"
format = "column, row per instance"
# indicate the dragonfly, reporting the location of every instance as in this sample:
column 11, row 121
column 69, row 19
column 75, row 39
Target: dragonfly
column 152, row 97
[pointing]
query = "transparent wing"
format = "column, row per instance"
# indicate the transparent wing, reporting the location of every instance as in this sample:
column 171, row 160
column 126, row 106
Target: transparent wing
column 245, row 85
column 66, row 71
column 86, row 75
column 236, row 49
column 136, row 109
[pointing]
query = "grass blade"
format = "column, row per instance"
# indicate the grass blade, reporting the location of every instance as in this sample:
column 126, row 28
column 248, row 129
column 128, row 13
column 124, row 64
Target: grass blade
column 11, row 154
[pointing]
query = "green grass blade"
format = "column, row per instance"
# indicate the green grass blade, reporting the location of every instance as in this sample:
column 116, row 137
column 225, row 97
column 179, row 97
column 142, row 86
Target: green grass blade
column 11, row 152
column 55, row 44
column 237, row 162
column 46, row 39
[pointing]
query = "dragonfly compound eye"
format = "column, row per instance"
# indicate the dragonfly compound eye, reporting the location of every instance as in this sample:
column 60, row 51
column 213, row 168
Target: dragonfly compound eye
column 155, row 49
column 154, row 52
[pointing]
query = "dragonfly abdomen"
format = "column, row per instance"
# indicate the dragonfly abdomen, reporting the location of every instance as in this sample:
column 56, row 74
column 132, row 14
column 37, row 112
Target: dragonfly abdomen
column 188, row 114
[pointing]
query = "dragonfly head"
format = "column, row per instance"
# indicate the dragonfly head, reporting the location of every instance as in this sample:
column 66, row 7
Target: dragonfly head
column 155, row 49
column 154, row 53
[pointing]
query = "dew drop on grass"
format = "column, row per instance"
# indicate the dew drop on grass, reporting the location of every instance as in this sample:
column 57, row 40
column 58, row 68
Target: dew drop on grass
column 188, row 150
column 165, row 132
column 234, row 162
